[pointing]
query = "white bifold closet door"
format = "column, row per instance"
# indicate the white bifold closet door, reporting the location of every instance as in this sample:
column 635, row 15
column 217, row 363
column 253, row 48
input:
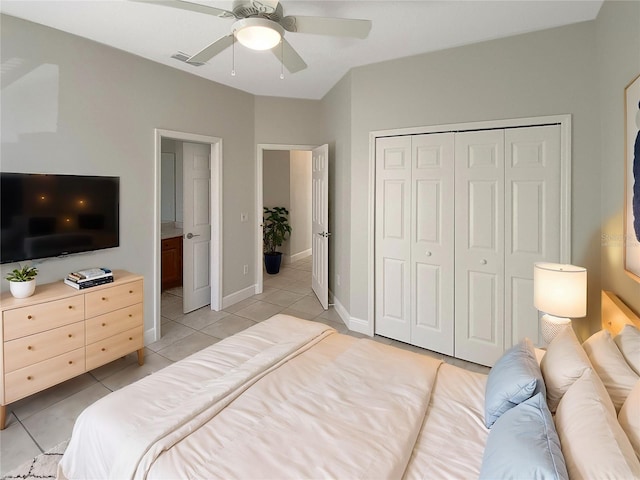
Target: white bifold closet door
column 460, row 220
column 507, row 218
column 414, row 240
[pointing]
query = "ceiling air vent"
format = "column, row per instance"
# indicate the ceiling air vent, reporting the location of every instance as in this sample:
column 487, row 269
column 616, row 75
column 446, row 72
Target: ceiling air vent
column 183, row 57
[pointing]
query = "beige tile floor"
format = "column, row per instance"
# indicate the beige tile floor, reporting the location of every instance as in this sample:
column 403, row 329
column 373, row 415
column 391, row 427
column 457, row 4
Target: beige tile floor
column 41, row 421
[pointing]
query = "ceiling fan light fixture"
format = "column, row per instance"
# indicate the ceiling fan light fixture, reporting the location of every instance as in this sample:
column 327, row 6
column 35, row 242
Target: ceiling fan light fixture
column 258, row 33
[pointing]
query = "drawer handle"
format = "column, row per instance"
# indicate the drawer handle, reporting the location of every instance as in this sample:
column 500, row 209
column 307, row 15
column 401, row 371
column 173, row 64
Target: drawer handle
column 70, row 362
column 130, row 338
column 29, row 377
column 104, row 324
column 29, row 347
column 130, row 315
column 70, row 307
column 130, row 291
column 29, row 317
column 70, row 336
column 104, row 298
column 104, row 349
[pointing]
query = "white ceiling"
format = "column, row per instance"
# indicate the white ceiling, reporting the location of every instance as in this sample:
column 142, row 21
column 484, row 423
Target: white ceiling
column 400, row 29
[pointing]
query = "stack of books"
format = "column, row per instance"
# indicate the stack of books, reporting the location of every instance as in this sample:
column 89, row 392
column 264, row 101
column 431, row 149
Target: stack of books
column 89, row 278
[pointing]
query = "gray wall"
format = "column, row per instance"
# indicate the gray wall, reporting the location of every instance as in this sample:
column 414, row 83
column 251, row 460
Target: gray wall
column 288, row 121
column 172, row 197
column 618, row 41
column 300, row 202
column 275, row 183
column 101, row 107
column 543, row 73
column 336, row 110
column 275, row 179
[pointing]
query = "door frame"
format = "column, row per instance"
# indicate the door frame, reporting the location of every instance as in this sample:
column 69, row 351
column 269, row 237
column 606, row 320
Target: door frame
column 215, row 217
column 565, row 183
column 261, row 147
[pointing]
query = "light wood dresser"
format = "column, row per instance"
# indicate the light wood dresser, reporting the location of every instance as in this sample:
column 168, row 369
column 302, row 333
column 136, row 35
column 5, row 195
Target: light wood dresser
column 60, row 332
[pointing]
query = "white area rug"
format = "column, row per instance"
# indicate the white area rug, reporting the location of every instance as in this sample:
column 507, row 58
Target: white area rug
column 44, row 465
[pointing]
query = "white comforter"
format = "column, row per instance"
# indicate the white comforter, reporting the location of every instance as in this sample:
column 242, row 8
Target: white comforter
column 284, row 399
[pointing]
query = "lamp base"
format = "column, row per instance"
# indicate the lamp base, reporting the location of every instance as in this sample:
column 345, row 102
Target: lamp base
column 552, row 326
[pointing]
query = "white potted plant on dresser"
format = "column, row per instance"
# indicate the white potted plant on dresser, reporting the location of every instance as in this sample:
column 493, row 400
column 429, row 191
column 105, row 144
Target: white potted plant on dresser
column 22, row 281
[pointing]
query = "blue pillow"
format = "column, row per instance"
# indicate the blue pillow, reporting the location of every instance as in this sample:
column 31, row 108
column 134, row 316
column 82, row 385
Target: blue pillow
column 524, row 443
column 514, row 378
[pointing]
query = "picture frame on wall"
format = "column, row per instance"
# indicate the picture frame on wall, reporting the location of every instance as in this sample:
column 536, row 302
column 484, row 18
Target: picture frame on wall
column 632, row 179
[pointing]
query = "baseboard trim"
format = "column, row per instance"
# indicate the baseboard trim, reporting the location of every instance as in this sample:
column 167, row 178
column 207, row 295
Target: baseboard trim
column 299, row 256
column 339, row 308
column 238, row 296
column 361, row 326
column 355, row 324
column 150, row 336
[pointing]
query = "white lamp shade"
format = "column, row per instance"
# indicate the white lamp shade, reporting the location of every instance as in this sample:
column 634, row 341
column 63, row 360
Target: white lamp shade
column 258, row 33
column 560, row 290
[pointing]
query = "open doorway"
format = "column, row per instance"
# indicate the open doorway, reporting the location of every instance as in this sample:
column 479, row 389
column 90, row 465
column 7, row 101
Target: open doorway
column 286, row 182
column 189, row 225
column 314, row 238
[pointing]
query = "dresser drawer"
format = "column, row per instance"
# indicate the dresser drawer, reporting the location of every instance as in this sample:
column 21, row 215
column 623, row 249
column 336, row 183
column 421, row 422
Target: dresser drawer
column 114, row 347
column 113, row 298
column 41, row 375
column 107, row 325
column 41, row 346
column 20, row 322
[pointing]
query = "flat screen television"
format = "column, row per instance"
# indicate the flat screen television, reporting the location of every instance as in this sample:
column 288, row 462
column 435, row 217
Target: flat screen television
column 45, row 215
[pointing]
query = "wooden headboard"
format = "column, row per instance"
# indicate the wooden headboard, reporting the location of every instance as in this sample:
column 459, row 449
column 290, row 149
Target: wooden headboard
column 615, row 314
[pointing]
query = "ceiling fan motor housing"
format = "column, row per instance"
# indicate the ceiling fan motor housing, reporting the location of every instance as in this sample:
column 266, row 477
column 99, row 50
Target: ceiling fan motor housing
column 244, row 9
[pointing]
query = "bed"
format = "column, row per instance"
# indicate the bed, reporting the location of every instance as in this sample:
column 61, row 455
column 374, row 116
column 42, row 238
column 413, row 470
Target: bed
column 289, row 398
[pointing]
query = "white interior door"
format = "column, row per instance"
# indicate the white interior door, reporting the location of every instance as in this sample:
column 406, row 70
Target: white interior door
column 320, row 223
column 479, row 253
column 393, row 238
column 196, row 226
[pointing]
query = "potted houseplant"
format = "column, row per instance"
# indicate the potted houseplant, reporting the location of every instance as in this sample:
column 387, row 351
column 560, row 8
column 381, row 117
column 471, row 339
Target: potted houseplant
column 276, row 229
column 22, row 281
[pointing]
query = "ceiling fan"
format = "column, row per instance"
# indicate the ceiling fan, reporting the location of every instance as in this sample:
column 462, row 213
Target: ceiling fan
column 261, row 25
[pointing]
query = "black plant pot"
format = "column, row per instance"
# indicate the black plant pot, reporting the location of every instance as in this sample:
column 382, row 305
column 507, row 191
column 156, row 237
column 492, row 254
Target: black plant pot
column 272, row 262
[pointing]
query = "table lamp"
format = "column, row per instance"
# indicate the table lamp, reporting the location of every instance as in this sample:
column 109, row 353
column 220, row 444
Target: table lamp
column 560, row 291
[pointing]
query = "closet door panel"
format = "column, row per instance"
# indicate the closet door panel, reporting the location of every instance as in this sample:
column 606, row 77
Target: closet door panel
column 532, row 221
column 432, row 260
column 393, row 238
column 479, row 246
column 483, row 301
column 483, row 216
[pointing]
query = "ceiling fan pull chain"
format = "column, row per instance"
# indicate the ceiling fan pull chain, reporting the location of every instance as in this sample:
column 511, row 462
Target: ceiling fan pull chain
column 281, row 59
column 233, row 55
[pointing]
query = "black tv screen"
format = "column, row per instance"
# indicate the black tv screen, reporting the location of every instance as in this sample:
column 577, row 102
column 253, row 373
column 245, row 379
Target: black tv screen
column 43, row 215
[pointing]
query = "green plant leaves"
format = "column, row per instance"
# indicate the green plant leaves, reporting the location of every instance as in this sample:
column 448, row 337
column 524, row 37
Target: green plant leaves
column 276, row 228
column 24, row 274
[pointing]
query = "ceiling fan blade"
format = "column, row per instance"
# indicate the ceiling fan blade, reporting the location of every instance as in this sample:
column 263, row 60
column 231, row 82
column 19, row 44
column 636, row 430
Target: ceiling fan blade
column 339, row 27
column 289, row 57
column 194, row 7
column 210, row 51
